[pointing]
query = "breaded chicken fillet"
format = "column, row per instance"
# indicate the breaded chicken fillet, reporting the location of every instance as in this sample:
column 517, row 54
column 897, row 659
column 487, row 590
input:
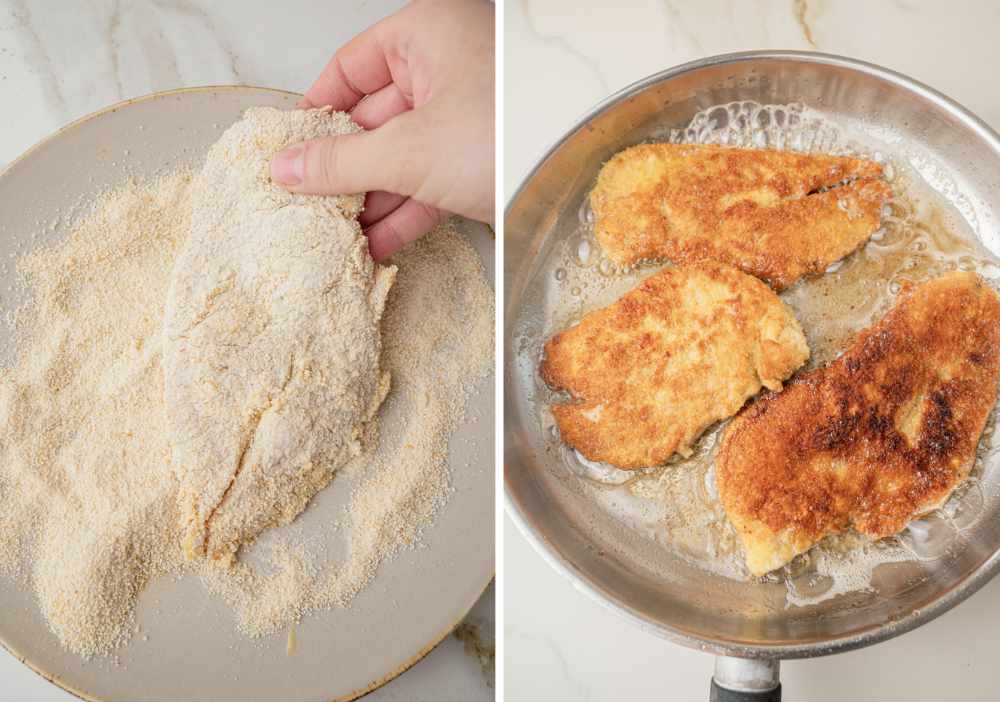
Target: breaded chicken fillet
column 679, row 352
column 759, row 210
column 879, row 436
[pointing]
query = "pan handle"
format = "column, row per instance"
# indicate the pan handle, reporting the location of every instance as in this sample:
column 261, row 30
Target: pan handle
column 745, row 680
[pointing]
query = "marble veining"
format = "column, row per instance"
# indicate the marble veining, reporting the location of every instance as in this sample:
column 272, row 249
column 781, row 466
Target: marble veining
column 36, row 55
column 677, row 20
column 561, row 43
column 801, row 7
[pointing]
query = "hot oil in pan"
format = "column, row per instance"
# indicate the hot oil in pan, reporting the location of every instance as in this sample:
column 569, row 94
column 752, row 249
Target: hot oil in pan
column 677, row 505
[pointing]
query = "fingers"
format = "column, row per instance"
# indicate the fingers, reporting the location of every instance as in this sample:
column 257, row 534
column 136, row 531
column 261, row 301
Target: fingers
column 408, row 222
column 379, row 204
column 358, row 68
column 355, row 163
column 379, row 107
column 331, row 166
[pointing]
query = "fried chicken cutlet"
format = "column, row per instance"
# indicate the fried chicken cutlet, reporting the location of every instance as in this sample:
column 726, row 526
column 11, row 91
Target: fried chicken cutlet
column 879, row 436
column 759, row 210
column 680, row 351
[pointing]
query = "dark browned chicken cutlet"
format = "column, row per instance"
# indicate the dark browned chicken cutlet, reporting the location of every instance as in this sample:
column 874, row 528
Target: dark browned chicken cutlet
column 881, row 435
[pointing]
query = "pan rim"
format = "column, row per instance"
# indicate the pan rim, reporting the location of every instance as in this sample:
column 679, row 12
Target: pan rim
column 581, row 581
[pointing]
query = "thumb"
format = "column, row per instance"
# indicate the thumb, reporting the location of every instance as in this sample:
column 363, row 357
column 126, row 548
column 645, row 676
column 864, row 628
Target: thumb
column 383, row 159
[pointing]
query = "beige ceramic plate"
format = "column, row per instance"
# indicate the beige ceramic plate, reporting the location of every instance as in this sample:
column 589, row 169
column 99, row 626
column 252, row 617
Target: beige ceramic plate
column 193, row 652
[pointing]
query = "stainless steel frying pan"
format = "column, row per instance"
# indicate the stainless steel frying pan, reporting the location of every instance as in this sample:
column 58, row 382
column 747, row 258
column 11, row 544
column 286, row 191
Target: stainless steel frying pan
column 746, row 624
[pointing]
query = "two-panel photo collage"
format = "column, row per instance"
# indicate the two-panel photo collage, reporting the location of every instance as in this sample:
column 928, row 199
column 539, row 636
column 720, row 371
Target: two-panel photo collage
column 471, row 350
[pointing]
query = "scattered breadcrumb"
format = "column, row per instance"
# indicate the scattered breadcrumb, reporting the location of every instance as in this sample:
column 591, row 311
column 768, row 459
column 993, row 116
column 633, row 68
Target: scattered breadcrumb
column 90, row 502
column 438, row 343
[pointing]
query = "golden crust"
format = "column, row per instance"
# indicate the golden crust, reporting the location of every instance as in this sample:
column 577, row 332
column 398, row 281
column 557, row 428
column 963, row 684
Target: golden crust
column 758, row 210
column 881, row 435
column 680, row 351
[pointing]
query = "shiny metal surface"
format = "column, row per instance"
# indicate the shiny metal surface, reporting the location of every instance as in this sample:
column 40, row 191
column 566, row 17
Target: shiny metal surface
column 666, row 595
column 747, row 674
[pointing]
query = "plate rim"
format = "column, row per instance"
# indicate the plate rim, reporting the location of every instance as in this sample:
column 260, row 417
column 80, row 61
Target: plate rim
column 53, row 678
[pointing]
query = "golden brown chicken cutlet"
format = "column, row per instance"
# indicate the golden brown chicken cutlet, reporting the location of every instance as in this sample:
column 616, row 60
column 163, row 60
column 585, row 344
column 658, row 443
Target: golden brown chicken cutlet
column 680, row 351
column 765, row 212
column 879, row 436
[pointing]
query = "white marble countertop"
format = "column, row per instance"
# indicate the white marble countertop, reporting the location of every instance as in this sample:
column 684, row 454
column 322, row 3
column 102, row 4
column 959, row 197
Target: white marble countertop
column 561, row 58
column 62, row 60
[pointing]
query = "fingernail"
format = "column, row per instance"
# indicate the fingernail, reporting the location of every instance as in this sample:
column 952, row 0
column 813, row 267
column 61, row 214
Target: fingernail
column 286, row 166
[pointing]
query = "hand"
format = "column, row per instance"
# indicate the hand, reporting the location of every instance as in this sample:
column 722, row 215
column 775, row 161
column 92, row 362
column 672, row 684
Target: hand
column 421, row 82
